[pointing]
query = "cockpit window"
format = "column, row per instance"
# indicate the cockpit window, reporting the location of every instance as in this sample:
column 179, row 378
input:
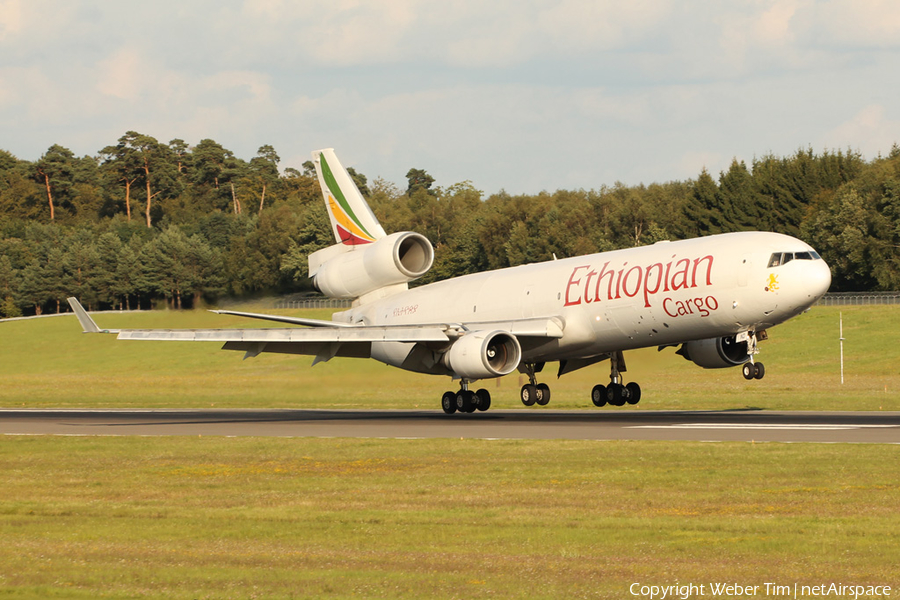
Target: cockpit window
column 780, row 258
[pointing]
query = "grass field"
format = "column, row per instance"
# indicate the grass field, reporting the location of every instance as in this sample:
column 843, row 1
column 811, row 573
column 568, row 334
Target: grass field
column 305, row 518
column 181, row 517
column 49, row 362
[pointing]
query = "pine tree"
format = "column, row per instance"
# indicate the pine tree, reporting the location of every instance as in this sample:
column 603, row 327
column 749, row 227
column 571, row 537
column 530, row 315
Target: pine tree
column 35, row 286
column 9, row 288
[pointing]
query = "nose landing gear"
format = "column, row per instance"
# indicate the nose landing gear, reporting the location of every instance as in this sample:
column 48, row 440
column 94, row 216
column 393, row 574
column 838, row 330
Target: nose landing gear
column 751, row 369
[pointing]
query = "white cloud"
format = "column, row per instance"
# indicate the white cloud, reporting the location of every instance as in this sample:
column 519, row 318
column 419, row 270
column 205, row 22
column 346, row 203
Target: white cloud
column 339, row 33
column 695, row 162
column 758, row 35
column 604, row 24
column 870, row 130
column 461, row 33
column 773, row 26
column 254, row 86
column 520, row 95
column 857, row 23
column 122, row 76
column 10, row 17
column 502, row 34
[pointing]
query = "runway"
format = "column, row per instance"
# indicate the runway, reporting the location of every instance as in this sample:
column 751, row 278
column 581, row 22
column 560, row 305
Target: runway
column 713, row 426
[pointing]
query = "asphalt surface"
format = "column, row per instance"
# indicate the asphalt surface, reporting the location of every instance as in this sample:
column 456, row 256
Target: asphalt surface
column 602, row 424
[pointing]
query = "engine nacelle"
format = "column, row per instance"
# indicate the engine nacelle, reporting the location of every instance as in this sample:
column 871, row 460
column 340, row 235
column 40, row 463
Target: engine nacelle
column 352, row 271
column 716, row 353
column 483, row 354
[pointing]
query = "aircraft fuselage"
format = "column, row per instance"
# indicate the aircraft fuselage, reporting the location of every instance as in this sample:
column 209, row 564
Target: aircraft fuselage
column 666, row 293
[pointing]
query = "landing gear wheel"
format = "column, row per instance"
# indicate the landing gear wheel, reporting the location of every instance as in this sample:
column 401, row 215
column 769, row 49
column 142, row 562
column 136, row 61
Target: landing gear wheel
column 598, row 395
column 529, row 394
column 760, row 371
column 483, row 399
column 543, row 394
column 448, row 402
column 748, row 370
column 465, row 401
column 632, row 393
column 615, row 394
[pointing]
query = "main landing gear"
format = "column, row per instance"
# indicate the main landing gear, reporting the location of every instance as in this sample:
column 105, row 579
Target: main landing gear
column 616, row 394
column 465, row 400
column 533, row 392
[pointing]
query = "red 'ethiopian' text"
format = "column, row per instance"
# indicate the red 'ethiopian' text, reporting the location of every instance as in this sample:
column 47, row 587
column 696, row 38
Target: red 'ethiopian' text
column 587, row 284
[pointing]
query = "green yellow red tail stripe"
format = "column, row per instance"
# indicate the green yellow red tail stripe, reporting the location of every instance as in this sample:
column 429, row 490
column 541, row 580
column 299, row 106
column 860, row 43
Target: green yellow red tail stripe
column 349, row 228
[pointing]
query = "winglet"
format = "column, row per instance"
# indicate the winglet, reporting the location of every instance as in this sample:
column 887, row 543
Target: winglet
column 87, row 323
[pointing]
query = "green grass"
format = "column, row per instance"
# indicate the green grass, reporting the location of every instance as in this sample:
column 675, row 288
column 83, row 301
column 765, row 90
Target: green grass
column 268, row 518
column 50, row 363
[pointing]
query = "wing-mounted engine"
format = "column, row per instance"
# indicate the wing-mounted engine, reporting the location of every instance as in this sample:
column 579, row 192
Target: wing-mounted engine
column 716, row 353
column 483, row 354
column 344, row 271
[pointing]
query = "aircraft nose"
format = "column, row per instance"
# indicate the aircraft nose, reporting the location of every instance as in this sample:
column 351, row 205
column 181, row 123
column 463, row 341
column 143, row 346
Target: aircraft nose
column 818, row 279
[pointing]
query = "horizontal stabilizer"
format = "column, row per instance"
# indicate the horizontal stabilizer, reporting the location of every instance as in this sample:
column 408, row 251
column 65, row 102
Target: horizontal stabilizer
column 87, row 323
column 282, row 319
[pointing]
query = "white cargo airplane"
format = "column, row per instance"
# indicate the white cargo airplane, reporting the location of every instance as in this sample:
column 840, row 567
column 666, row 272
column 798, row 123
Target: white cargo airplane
column 714, row 296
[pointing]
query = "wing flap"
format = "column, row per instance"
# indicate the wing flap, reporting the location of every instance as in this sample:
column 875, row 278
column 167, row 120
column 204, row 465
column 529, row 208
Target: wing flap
column 538, row 327
column 325, row 350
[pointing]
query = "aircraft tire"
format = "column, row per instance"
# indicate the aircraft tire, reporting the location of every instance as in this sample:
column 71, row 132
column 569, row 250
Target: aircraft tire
column 543, row 394
column 448, row 403
column 615, row 394
column 528, row 394
column 760, row 371
column 484, row 399
column 598, row 395
column 465, row 401
column 748, row 370
column 632, row 393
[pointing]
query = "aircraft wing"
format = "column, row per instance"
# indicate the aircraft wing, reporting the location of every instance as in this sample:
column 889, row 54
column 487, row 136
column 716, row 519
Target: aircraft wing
column 531, row 327
column 322, row 339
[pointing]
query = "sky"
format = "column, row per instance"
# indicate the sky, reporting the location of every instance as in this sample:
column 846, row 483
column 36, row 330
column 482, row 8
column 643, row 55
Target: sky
column 514, row 95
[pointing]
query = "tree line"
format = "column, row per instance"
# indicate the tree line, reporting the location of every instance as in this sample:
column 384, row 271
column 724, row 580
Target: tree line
column 144, row 222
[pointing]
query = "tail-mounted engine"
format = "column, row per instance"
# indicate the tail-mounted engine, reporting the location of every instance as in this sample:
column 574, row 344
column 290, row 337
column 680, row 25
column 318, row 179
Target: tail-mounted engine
column 716, row 353
column 342, row 271
column 483, row 354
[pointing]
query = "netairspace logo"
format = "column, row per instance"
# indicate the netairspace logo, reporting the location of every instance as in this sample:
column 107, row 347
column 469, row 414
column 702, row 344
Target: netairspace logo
column 731, row 590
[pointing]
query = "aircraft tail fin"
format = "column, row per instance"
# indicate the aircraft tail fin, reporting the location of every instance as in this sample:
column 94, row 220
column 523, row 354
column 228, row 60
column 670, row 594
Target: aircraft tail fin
column 352, row 221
